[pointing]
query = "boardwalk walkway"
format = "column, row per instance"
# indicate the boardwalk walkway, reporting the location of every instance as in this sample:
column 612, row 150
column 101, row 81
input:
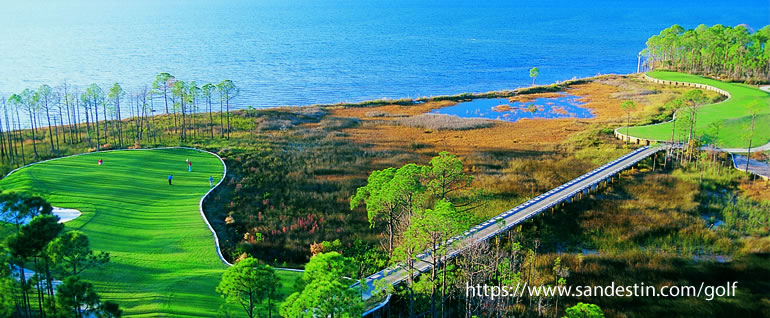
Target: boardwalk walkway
column 508, row 219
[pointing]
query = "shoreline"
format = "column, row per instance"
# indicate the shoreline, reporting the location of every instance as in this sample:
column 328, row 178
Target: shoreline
column 544, row 88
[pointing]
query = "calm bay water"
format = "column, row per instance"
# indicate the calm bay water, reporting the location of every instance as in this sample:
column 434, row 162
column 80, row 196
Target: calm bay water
column 306, row 52
column 565, row 106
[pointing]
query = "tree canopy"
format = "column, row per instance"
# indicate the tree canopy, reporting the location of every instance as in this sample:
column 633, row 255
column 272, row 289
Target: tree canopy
column 583, row 310
column 533, row 73
column 71, row 252
column 249, row 283
column 727, row 52
column 75, row 297
column 326, row 293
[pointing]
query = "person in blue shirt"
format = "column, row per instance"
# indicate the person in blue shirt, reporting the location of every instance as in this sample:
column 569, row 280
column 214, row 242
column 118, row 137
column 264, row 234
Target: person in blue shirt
column 211, row 181
column 169, row 179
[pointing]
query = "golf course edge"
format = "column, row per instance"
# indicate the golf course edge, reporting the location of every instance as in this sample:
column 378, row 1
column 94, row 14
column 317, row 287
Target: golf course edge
column 200, row 202
column 647, row 141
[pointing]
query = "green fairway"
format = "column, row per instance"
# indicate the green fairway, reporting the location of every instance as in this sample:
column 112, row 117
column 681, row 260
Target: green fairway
column 164, row 261
column 733, row 113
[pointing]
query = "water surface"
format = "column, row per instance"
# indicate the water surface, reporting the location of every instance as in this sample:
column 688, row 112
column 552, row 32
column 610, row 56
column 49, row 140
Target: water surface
column 565, row 106
column 298, row 52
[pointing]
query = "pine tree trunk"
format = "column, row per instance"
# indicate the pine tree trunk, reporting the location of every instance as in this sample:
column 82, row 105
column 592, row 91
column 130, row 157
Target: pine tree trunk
column 228, row 117
column 751, row 136
column 21, row 138
column 96, row 123
column 34, row 142
column 50, row 133
column 120, row 127
column 211, row 118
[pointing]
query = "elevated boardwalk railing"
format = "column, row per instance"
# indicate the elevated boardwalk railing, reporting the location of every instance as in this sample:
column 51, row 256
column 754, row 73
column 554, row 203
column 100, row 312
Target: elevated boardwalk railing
column 507, row 220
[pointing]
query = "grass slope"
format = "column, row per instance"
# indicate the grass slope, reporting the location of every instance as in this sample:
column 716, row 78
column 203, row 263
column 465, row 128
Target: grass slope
column 733, row 113
column 163, row 257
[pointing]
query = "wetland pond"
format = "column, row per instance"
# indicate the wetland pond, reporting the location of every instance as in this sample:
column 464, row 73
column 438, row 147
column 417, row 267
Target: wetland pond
column 564, row 106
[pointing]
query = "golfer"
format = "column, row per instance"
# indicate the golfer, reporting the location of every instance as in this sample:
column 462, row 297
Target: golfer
column 100, row 161
column 211, row 181
column 169, row 179
column 189, row 166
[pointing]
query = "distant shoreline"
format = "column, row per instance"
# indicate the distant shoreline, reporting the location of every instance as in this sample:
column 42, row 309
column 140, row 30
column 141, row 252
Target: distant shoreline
column 545, row 88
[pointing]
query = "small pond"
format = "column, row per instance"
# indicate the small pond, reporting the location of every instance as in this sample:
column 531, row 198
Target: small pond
column 565, row 106
column 712, row 221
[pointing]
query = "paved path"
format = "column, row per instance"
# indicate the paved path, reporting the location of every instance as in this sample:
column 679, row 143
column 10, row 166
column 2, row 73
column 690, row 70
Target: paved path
column 756, row 167
column 619, row 134
column 505, row 221
column 753, row 165
column 764, row 147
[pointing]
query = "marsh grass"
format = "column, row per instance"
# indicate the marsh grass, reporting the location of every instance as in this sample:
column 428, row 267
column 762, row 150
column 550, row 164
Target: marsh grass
column 291, row 180
column 379, row 113
column 444, row 122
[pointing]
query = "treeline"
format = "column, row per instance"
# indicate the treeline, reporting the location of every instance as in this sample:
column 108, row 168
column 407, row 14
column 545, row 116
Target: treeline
column 40, row 264
column 109, row 118
column 717, row 51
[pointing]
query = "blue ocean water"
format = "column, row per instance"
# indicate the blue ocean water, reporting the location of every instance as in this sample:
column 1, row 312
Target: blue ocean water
column 565, row 106
column 298, row 52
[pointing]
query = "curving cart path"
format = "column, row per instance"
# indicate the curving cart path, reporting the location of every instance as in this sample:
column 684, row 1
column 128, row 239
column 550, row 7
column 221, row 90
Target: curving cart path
column 739, row 162
column 639, row 140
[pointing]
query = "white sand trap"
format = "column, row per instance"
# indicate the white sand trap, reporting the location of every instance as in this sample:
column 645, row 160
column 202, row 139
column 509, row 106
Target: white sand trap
column 66, row 215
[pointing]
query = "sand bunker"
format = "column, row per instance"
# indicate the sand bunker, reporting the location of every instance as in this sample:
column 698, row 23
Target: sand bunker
column 65, row 215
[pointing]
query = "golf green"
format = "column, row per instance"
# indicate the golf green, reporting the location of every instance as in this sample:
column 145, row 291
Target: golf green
column 164, row 261
column 734, row 114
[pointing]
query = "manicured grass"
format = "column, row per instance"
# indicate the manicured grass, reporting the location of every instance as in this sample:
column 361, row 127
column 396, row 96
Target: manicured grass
column 733, row 113
column 163, row 257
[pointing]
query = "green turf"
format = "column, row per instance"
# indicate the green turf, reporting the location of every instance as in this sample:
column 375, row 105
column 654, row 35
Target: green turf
column 733, row 113
column 164, row 262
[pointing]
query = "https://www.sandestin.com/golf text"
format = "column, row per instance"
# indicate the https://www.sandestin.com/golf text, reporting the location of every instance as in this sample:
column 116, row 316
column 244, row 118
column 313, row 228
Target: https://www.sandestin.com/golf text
column 705, row 291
